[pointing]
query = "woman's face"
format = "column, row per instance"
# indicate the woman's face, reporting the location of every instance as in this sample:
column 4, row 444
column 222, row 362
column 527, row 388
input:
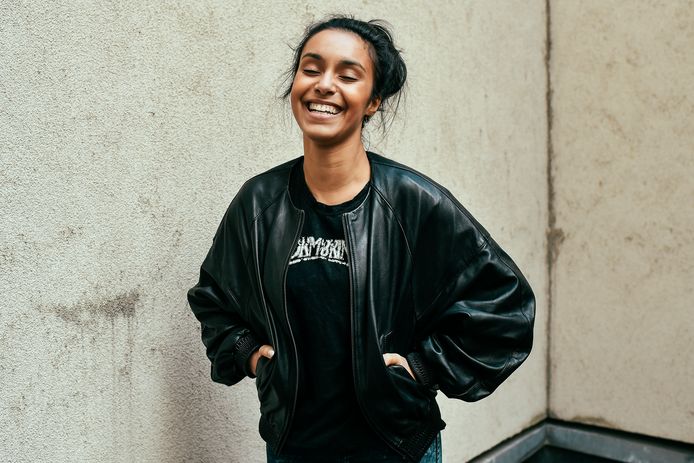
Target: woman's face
column 331, row 92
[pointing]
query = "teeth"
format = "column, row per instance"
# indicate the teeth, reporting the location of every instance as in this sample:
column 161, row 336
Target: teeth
column 324, row 108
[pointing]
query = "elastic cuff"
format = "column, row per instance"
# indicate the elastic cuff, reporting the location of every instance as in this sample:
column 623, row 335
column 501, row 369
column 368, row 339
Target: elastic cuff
column 243, row 349
column 423, row 373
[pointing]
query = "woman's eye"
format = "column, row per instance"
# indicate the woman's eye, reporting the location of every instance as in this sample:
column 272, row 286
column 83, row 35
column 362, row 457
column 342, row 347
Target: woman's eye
column 349, row 78
column 310, row 72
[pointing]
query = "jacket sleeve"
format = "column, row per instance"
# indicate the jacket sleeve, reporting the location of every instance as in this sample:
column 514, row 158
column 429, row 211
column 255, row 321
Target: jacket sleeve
column 214, row 300
column 475, row 309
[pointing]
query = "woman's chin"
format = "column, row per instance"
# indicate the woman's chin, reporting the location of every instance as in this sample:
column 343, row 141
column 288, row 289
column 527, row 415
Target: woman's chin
column 325, row 135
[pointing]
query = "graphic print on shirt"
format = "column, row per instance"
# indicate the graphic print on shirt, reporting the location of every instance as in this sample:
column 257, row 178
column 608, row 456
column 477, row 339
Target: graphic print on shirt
column 311, row 247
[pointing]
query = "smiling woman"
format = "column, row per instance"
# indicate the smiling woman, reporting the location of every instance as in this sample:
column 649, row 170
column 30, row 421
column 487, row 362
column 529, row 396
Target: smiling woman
column 353, row 287
column 332, row 91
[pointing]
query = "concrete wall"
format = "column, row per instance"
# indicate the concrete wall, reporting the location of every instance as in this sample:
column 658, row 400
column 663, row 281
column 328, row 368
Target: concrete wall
column 622, row 323
column 125, row 130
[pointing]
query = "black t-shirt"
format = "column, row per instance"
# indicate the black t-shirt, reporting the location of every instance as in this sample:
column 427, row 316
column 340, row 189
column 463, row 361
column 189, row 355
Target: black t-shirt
column 327, row 416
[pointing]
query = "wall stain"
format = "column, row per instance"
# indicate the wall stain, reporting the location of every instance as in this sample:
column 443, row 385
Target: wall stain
column 617, row 129
column 7, row 256
column 555, row 237
column 122, row 305
column 66, row 313
column 84, row 313
column 68, row 232
column 594, row 420
column 177, row 234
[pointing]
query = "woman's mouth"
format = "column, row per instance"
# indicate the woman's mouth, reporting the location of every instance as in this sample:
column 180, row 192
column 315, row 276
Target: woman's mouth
column 321, row 109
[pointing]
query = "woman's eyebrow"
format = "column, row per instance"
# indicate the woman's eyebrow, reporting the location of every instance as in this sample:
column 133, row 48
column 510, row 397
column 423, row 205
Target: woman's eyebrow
column 344, row 62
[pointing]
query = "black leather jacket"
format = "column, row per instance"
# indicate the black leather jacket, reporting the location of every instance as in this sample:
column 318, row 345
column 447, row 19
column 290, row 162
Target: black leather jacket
column 427, row 281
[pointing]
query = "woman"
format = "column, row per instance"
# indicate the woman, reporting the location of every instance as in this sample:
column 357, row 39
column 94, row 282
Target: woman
column 353, row 287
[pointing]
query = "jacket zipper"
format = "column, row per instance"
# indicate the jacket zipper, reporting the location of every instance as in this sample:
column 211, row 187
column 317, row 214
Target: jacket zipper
column 285, row 431
column 273, row 334
column 351, row 325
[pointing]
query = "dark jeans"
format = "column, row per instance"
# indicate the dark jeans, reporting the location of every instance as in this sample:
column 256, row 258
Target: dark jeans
column 433, row 455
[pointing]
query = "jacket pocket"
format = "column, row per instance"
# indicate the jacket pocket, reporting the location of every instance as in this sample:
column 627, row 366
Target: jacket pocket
column 406, row 380
column 262, row 370
column 407, row 403
column 271, row 389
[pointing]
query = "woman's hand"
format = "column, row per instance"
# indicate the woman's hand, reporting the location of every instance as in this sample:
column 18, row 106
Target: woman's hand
column 397, row 359
column 265, row 350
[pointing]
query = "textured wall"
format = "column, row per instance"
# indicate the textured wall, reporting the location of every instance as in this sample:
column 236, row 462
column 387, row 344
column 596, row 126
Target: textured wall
column 623, row 137
column 125, row 130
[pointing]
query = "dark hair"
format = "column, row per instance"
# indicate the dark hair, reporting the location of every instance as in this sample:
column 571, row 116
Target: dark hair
column 390, row 71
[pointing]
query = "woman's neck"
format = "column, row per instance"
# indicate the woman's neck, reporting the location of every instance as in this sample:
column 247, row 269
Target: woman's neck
column 337, row 174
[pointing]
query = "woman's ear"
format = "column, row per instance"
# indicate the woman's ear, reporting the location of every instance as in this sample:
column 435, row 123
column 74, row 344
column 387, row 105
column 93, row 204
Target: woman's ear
column 373, row 106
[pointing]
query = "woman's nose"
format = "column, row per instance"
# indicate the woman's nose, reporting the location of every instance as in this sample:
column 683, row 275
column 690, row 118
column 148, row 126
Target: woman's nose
column 326, row 83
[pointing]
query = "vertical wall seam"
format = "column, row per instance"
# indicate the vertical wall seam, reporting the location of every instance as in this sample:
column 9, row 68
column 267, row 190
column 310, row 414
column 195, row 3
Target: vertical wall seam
column 551, row 235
